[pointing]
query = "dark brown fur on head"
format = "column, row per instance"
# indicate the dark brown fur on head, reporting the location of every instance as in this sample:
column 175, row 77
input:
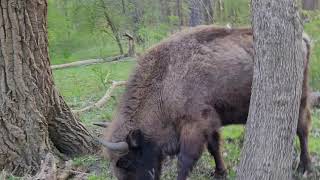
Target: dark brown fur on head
column 181, row 92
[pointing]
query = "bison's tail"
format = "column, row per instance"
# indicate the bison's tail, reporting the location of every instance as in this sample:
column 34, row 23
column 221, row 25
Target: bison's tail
column 307, row 40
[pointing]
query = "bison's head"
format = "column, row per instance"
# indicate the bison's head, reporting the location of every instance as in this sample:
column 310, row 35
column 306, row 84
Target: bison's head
column 135, row 159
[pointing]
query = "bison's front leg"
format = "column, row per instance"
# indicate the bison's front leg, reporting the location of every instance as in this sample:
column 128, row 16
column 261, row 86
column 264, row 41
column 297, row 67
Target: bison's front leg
column 303, row 133
column 215, row 151
column 191, row 146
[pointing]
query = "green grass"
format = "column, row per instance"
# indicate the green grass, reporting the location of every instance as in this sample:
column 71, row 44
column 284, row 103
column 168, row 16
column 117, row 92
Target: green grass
column 313, row 29
column 85, row 85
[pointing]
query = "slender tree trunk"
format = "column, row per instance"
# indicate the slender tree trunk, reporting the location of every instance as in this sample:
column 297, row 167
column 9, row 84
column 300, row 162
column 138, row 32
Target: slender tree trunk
column 123, row 6
column 136, row 15
column 34, row 118
column 164, row 10
column 276, row 91
column 208, row 11
column 310, row 4
column 113, row 27
column 220, row 9
column 179, row 12
column 196, row 13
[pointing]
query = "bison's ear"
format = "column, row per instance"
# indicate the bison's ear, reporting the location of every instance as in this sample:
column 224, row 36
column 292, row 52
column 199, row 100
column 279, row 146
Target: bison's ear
column 135, row 139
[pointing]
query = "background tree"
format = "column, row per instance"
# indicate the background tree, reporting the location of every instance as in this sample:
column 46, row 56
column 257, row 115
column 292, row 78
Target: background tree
column 179, row 12
column 310, row 4
column 276, row 91
column 196, row 12
column 34, row 118
column 208, row 7
column 165, row 10
column 112, row 25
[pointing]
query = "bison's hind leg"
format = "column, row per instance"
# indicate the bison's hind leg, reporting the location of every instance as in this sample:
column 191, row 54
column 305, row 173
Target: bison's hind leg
column 214, row 148
column 192, row 141
column 303, row 134
column 195, row 133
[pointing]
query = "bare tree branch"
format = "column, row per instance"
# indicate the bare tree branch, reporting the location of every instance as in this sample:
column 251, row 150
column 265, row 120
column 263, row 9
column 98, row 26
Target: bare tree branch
column 104, row 99
column 88, row 62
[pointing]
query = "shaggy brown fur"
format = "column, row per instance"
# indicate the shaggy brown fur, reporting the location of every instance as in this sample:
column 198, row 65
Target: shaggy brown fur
column 182, row 91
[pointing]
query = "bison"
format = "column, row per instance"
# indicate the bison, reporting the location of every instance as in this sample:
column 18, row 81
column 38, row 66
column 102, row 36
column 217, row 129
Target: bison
column 181, row 93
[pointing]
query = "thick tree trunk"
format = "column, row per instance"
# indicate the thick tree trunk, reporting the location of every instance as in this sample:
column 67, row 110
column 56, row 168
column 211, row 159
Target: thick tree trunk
column 276, row 91
column 34, row 118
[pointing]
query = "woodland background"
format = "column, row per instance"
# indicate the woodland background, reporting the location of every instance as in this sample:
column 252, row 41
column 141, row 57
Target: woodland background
column 90, row 29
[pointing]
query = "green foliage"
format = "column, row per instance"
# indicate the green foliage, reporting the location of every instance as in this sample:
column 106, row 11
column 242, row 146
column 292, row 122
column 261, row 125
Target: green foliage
column 83, row 86
column 313, row 29
column 75, row 31
column 153, row 35
column 233, row 12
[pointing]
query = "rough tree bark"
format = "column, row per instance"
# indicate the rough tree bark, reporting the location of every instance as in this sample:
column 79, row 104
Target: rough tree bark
column 34, row 118
column 276, row 91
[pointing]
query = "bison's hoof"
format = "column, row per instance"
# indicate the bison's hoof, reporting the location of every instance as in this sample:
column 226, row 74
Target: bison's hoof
column 304, row 168
column 221, row 174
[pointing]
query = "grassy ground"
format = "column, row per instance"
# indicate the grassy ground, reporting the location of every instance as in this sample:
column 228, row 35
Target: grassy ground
column 85, row 85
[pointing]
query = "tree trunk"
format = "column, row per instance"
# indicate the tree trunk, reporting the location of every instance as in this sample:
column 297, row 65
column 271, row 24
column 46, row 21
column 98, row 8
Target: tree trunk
column 34, row 118
column 276, row 91
column 310, row 4
column 137, row 15
column 131, row 46
column 164, row 10
column 208, row 11
column 114, row 29
column 196, row 13
column 123, row 6
column 179, row 12
column 220, row 9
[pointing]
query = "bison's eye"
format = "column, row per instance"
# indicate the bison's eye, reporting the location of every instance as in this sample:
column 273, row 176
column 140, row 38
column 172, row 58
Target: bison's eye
column 135, row 139
column 126, row 164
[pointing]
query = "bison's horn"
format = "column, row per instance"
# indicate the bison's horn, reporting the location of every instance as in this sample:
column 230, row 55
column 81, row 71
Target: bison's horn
column 117, row 147
column 102, row 124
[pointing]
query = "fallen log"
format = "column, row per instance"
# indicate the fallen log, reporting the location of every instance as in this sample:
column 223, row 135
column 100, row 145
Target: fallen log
column 89, row 62
column 104, row 99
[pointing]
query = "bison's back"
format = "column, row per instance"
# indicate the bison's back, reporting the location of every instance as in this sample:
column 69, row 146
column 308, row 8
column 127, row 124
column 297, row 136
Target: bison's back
column 217, row 73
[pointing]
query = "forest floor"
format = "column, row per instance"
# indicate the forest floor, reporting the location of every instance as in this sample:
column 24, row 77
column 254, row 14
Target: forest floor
column 83, row 86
